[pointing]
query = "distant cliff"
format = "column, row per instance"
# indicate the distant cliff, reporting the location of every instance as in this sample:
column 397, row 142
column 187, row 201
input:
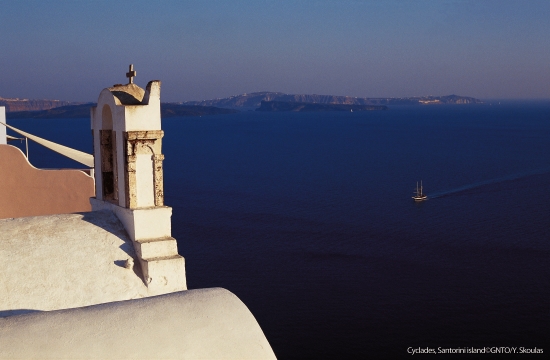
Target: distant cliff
column 83, row 111
column 254, row 100
column 219, row 106
column 301, row 107
column 31, row 105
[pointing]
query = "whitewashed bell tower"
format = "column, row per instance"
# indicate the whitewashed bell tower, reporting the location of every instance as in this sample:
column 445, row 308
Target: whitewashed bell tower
column 126, row 126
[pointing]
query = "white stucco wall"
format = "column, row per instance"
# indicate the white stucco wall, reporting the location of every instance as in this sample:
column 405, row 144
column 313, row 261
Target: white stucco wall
column 65, row 261
column 194, row 324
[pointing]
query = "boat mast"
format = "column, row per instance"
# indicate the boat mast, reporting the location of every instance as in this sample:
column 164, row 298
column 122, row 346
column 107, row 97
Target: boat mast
column 419, row 196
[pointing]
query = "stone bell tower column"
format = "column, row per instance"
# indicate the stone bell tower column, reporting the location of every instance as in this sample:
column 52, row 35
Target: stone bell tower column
column 128, row 157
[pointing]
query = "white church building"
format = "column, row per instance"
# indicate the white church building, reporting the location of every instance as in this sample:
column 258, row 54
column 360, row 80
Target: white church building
column 100, row 277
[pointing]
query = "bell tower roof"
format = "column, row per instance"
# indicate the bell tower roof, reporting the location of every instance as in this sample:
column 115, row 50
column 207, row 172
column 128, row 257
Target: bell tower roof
column 129, row 94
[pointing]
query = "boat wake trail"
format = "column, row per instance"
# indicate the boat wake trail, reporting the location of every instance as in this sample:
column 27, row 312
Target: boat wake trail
column 440, row 194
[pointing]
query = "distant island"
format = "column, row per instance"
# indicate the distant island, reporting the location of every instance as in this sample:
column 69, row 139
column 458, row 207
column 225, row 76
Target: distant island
column 253, row 101
column 83, row 111
column 301, row 107
column 263, row 101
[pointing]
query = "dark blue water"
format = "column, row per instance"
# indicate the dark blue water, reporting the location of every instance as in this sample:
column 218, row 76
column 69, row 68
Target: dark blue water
column 308, row 218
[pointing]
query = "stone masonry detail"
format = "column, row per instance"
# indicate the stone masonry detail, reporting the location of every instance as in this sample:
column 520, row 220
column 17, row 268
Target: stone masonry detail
column 143, row 142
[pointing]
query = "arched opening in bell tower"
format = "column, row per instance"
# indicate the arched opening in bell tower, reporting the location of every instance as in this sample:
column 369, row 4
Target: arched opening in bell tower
column 108, row 155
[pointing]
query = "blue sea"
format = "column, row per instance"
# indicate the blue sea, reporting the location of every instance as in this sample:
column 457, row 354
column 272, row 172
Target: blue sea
column 308, row 218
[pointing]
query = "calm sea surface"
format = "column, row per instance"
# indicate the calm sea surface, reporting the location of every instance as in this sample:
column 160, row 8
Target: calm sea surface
column 308, row 218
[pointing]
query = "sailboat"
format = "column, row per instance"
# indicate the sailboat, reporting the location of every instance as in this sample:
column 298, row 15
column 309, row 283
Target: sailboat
column 419, row 196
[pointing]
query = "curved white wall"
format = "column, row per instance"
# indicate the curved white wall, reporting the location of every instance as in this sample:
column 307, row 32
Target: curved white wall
column 194, row 324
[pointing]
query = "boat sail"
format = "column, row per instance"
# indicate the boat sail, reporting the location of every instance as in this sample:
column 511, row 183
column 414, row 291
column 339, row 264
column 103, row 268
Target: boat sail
column 419, row 195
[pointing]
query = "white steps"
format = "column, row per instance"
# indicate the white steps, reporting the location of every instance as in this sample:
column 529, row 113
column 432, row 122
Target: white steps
column 156, row 248
column 163, row 268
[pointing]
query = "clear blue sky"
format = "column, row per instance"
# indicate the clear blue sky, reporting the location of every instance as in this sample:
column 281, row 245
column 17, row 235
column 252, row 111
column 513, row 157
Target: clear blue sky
column 205, row 49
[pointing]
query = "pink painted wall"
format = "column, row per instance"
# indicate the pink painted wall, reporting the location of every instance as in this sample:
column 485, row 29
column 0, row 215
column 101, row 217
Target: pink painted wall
column 28, row 191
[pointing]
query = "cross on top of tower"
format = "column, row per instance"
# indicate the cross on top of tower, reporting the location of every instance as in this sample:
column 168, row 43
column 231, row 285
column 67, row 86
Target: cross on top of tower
column 131, row 74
